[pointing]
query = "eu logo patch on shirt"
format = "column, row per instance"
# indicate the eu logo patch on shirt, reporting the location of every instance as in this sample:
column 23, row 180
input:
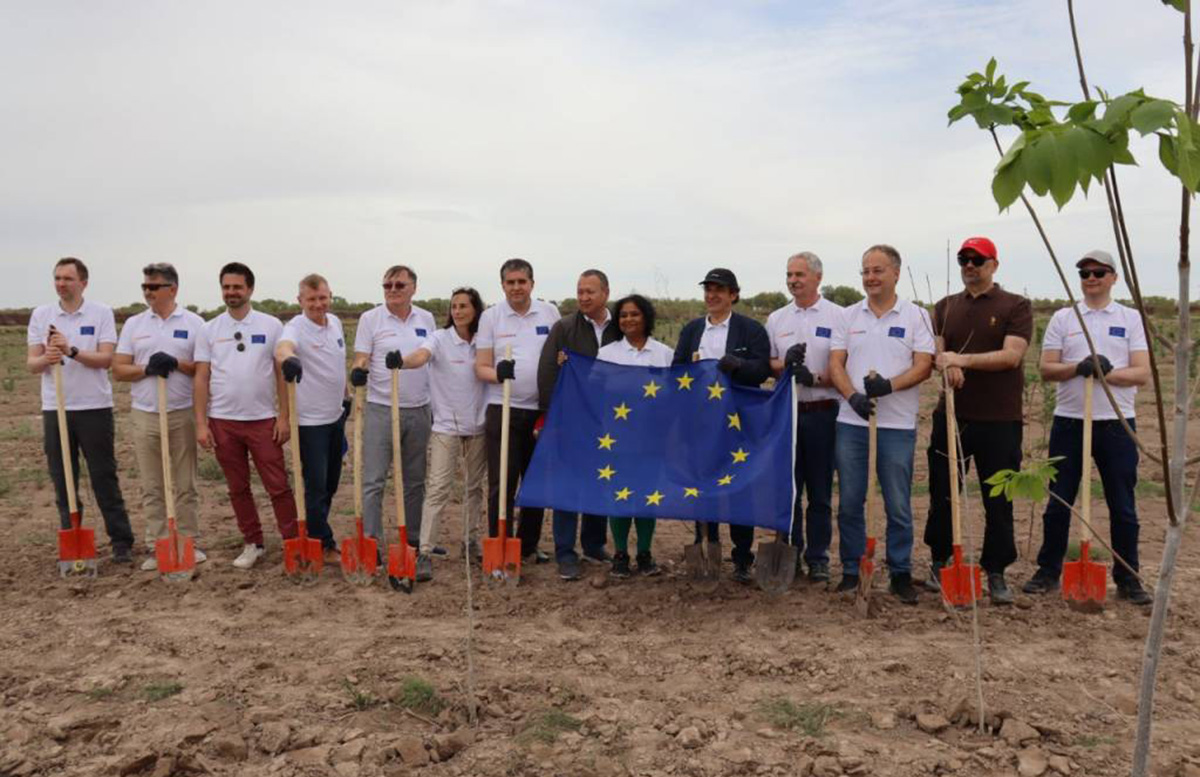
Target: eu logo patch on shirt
column 87, row 330
column 896, row 331
column 421, row 333
column 543, row 330
column 180, row 334
column 1116, row 331
column 258, row 339
column 824, row 331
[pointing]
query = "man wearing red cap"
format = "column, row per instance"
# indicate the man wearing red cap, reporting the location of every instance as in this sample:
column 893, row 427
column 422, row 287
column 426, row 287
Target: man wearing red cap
column 982, row 334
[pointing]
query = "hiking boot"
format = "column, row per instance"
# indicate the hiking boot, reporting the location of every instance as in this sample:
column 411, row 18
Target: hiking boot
column 600, row 557
column 331, row 555
column 934, row 581
column 998, row 589
column 1042, row 582
column 1133, row 591
column 741, row 573
column 849, row 583
column 646, row 565
column 903, row 588
column 568, row 569
column 122, row 555
column 818, row 572
column 424, row 568
column 620, row 564
column 250, row 554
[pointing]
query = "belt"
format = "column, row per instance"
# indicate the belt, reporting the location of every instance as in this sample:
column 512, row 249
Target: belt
column 818, row 406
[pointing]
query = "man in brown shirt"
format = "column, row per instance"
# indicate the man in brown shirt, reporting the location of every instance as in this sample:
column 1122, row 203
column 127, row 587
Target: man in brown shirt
column 982, row 333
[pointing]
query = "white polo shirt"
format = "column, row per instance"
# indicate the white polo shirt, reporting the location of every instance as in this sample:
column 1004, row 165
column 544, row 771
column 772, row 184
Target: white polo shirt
column 322, row 352
column 380, row 331
column 84, row 388
column 714, row 338
column 147, row 333
column 501, row 326
column 1117, row 332
column 458, row 396
column 241, row 385
column 652, row 354
column 813, row 326
column 885, row 344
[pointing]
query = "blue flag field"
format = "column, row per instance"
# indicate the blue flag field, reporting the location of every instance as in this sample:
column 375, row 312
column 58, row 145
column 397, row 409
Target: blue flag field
column 664, row 442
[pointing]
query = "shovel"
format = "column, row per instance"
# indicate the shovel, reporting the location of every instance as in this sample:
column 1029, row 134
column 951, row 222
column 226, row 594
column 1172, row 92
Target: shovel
column 1085, row 582
column 176, row 557
column 776, row 566
column 866, row 565
column 303, row 556
column 360, row 554
column 502, row 554
column 402, row 560
column 76, row 545
column 961, row 583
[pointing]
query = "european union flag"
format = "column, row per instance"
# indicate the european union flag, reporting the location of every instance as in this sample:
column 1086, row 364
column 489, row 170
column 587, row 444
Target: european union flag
column 664, row 442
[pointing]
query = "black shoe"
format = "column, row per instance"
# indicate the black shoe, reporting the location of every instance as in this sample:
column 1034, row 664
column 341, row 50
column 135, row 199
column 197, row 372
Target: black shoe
column 568, row 569
column 599, row 557
column 439, row 551
column 1133, row 591
column 1042, row 582
column 934, row 581
column 998, row 589
column 646, row 565
column 849, row 583
column 538, row 556
column 424, row 568
column 620, row 565
column 122, row 555
column 741, row 573
column 903, row 588
column 818, row 572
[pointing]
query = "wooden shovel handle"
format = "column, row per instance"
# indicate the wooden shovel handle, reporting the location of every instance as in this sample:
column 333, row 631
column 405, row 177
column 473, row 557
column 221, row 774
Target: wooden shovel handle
column 359, row 391
column 952, row 460
column 64, row 440
column 164, row 434
column 506, row 394
column 1085, row 477
column 297, row 465
column 872, row 454
column 397, row 467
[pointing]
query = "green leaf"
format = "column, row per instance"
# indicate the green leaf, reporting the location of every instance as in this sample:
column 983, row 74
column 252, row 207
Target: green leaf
column 1118, row 110
column 1152, row 116
column 991, row 69
column 996, row 491
column 1062, row 186
column 1082, row 111
column 1167, row 154
column 1178, row 5
column 1038, row 163
column 1013, row 152
column 1000, row 477
column 1007, row 185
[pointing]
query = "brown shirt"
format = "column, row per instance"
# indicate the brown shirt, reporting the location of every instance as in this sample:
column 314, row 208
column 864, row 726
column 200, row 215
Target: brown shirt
column 979, row 324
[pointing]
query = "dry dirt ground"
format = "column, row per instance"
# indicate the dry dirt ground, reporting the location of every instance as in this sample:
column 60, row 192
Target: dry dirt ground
column 247, row 673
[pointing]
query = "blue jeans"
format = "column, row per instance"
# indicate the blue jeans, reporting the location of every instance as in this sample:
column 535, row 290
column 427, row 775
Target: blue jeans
column 592, row 537
column 894, row 468
column 321, row 460
column 815, row 434
column 1116, row 459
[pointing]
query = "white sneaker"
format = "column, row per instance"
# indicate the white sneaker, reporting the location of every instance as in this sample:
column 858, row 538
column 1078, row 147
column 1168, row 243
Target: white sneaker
column 250, row 554
column 150, row 564
column 201, row 556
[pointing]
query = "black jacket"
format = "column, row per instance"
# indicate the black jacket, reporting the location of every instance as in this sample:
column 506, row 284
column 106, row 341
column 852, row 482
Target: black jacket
column 570, row 333
column 747, row 340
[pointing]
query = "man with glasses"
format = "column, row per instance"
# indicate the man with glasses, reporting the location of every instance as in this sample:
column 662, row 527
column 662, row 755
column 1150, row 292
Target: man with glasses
column 1124, row 357
column 237, row 386
column 81, row 336
column 982, row 334
column 160, row 342
column 385, row 333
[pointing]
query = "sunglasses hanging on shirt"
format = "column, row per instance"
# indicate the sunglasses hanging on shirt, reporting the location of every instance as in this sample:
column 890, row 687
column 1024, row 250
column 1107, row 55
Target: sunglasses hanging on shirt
column 240, row 345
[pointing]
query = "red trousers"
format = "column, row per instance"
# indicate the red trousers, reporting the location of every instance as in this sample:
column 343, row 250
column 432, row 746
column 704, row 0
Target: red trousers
column 236, row 442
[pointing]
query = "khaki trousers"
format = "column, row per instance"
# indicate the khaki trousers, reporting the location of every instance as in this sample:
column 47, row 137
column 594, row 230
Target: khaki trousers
column 181, row 436
column 445, row 452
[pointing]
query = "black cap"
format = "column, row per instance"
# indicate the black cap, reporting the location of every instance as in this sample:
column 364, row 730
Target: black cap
column 721, row 277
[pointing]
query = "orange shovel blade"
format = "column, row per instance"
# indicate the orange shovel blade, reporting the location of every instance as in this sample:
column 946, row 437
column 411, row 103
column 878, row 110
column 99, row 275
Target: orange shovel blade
column 866, row 564
column 512, row 559
column 1084, row 581
column 76, row 549
column 402, row 562
column 176, row 555
column 961, row 583
column 360, row 555
column 303, row 556
column 493, row 551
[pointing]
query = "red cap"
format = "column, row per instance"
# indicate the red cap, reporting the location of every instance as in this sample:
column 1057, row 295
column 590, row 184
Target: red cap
column 981, row 246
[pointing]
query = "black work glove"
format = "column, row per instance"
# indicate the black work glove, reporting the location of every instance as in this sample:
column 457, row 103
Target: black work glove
column 506, row 369
column 795, row 355
column 862, row 405
column 729, row 363
column 346, row 405
column 292, row 369
column 358, row 377
column 394, row 360
column 877, row 386
column 161, row 364
column 1085, row 368
column 803, row 375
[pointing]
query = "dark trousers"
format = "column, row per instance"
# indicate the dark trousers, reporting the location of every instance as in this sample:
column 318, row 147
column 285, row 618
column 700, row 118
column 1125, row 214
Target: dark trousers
column 815, row 437
column 520, row 451
column 321, row 460
column 1116, row 459
column 92, row 432
column 593, row 535
column 742, row 538
column 993, row 445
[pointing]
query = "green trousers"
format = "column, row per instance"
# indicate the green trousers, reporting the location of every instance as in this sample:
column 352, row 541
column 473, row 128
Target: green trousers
column 620, row 533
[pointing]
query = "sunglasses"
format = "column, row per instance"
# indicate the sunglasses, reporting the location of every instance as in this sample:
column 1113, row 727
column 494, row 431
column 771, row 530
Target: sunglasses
column 395, row 285
column 975, row 260
column 156, row 286
column 240, row 345
column 1099, row 273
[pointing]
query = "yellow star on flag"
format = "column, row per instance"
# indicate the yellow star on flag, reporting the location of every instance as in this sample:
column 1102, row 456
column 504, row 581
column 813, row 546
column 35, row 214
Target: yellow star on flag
column 739, row 455
column 606, row 442
column 725, row 480
column 623, row 494
column 735, row 422
column 621, row 412
column 716, row 391
column 692, row 492
column 685, row 382
column 606, row 473
column 655, row 498
column 651, row 389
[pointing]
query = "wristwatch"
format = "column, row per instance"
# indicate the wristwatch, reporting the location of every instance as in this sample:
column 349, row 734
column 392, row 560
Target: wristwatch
column 73, row 352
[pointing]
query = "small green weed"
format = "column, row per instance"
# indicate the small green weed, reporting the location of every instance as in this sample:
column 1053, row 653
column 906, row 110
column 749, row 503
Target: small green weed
column 360, row 700
column 1095, row 553
column 808, row 718
column 1091, row 741
column 419, row 696
column 546, row 726
column 101, row 694
column 209, row 469
column 162, row 690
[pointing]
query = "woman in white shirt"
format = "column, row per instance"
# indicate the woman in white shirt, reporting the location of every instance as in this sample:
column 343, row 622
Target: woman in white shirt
column 635, row 317
column 457, row 397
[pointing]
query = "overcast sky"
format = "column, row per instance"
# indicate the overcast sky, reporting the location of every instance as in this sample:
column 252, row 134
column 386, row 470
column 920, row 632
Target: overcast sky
column 650, row 138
